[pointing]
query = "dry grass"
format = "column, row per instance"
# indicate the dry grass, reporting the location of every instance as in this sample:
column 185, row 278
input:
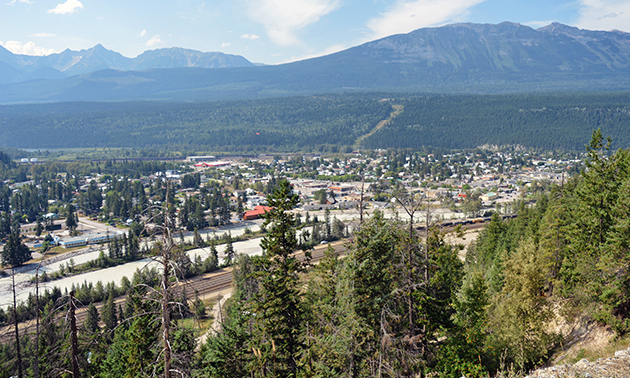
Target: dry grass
column 598, row 350
column 585, row 338
column 200, row 325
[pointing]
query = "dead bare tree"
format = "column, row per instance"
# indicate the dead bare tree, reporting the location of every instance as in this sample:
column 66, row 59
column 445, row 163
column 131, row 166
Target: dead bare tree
column 361, row 201
column 410, row 205
column 74, row 343
column 16, row 324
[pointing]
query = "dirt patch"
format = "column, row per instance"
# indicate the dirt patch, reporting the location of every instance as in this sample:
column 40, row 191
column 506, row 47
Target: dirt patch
column 589, row 350
column 465, row 240
column 397, row 110
column 216, row 313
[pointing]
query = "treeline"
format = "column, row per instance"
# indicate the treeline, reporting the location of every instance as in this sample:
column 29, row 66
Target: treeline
column 548, row 121
column 321, row 123
column 119, row 336
column 286, row 122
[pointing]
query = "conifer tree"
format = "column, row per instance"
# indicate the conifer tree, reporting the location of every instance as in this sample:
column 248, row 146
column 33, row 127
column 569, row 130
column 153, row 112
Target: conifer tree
column 213, row 250
column 71, row 218
column 331, row 305
column 229, row 250
column 15, row 253
column 520, row 314
column 91, row 321
column 108, row 313
column 197, row 240
column 278, row 303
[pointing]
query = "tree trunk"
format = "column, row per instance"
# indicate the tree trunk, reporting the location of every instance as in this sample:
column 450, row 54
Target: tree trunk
column 165, row 312
column 16, row 323
column 36, row 367
column 73, row 338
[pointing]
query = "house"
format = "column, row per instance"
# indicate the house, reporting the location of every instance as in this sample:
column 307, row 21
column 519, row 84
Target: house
column 490, row 196
column 341, row 189
column 256, row 213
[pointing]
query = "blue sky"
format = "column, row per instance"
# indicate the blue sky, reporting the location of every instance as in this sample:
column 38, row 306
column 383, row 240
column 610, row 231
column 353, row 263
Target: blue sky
column 269, row 31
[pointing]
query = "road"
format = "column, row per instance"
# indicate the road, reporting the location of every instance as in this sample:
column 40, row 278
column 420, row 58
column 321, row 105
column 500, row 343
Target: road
column 205, row 285
column 251, row 247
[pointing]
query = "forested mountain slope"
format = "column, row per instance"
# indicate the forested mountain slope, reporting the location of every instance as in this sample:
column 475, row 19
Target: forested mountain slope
column 544, row 121
column 561, row 120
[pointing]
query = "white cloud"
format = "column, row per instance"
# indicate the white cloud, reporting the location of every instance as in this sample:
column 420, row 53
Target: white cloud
column 155, row 40
column 225, row 44
column 29, row 48
column 70, row 6
column 604, row 15
column 406, row 15
column 282, row 18
column 142, row 33
column 20, row 1
column 43, row 35
column 250, row 36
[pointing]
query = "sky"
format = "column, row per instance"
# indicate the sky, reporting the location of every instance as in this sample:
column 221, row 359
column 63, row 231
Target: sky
column 269, row 31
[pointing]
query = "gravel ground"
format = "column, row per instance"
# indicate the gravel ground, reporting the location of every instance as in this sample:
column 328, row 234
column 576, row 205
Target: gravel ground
column 617, row 366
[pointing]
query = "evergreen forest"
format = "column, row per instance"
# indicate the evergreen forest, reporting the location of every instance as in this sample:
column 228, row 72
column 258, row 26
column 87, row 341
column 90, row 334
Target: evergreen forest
column 323, row 123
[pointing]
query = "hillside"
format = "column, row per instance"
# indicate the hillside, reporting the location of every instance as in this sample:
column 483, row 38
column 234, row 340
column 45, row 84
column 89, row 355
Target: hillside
column 549, row 121
column 461, row 58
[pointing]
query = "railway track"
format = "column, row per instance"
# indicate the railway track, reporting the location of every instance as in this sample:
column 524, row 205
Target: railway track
column 220, row 280
column 203, row 285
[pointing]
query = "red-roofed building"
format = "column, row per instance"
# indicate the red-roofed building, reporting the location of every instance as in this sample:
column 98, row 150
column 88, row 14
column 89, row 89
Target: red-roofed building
column 256, row 213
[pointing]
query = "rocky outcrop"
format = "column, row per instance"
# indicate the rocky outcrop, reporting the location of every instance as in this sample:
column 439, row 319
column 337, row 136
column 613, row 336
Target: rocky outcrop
column 617, row 366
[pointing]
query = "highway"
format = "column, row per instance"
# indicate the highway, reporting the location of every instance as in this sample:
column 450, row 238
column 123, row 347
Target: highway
column 205, row 285
column 212, row 283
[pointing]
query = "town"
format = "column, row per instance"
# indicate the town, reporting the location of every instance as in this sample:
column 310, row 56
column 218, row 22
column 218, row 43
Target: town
column 211, row 191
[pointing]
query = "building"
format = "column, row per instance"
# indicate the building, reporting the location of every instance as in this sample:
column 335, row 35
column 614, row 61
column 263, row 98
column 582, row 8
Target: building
column 342, row 189
column 82, row 240
column 197, row 159
column 256, row 213
column 490, row 196
column 214, row 164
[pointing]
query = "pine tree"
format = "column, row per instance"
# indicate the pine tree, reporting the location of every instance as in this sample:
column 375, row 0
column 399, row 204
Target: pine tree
column 229, row 251
column 108, row 313
column 336, row 337
column 520, row 315
column 197, row 240
column 464, row 352
column 278, row 303
column 213, row 250
column 226, row 354
column 15, row 253
column 71, row 218
column 92, row 318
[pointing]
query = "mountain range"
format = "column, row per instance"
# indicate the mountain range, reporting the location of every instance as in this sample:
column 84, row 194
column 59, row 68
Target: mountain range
column 18, row 68
column 458, row 58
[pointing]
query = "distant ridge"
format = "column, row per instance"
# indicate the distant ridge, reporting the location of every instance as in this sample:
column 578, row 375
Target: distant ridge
column 457, row 58
column 69, row 63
